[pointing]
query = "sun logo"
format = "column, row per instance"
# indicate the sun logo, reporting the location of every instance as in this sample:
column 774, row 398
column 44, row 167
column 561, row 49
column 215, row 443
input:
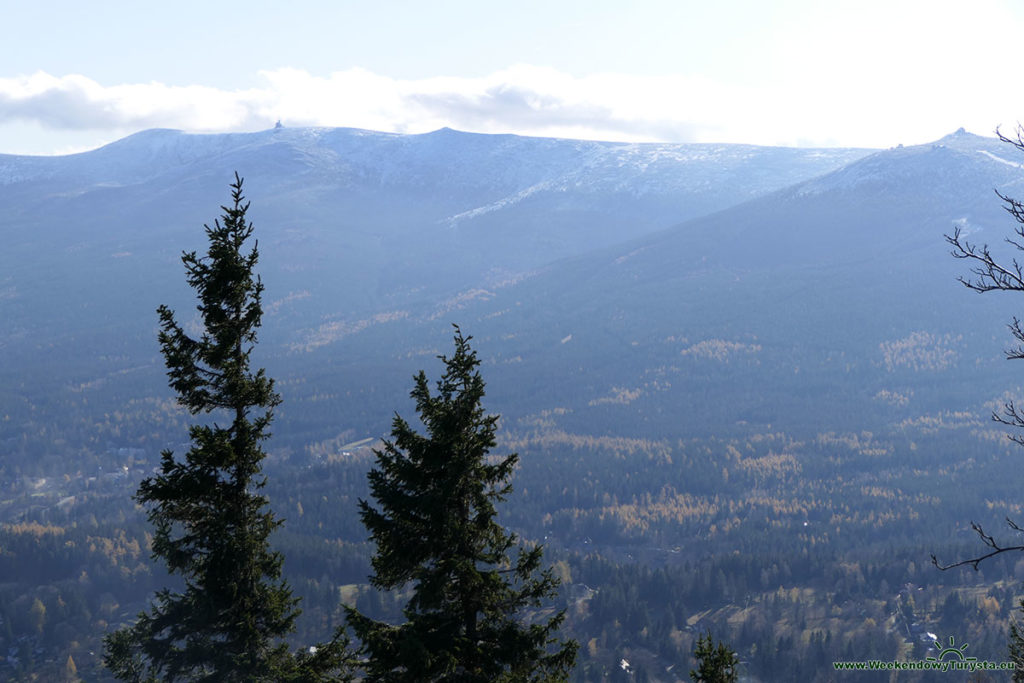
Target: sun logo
column 957, row 652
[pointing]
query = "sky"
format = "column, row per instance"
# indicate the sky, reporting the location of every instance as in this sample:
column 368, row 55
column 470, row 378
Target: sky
column 825, row 73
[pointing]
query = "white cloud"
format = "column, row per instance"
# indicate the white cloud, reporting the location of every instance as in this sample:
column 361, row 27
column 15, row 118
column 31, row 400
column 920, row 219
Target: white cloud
column 75, row 102
column 521, row 99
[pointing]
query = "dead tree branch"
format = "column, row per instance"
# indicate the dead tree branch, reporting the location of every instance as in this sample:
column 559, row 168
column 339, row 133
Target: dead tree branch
column 988, row 540
column 988, row 275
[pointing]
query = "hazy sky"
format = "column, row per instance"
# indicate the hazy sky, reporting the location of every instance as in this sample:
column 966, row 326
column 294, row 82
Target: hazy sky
column 74, row 75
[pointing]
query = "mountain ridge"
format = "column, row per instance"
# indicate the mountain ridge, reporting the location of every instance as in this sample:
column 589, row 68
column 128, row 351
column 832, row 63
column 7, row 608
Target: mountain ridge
column 360, row 265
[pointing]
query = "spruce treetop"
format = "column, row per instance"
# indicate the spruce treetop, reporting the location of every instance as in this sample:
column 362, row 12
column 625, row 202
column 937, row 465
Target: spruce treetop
column 435, row 528
column 211, row 523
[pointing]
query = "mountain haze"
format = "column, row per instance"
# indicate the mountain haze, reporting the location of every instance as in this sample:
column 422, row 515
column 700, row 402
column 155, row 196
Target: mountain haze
column 785, row 304
column 356, row 228
column 830, row 285
column 481, row 206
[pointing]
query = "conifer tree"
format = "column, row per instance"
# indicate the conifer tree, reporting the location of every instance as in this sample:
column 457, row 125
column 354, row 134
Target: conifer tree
column 211, row 522
column 1016, row 649
column 434, row 527
column 716, row 662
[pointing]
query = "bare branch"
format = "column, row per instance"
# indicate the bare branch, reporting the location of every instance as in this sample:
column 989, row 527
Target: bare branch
column 989, row 541
column 989, row 274
column 1018, row 142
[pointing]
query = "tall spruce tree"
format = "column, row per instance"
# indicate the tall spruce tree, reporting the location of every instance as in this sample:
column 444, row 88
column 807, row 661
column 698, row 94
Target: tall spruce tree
column 716, row 662
column 211, row 522
column 435, row 529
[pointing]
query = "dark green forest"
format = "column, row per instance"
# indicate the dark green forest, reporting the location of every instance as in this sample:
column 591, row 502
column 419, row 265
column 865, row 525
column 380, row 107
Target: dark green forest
column 791, row 550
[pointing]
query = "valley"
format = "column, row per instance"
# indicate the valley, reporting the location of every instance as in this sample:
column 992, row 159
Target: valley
column 747, row 391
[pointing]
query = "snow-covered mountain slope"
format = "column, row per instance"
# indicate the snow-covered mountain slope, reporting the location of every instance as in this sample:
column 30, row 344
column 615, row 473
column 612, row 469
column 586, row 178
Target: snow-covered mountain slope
column 446, row 157
column 475, row 171
column 387, row 219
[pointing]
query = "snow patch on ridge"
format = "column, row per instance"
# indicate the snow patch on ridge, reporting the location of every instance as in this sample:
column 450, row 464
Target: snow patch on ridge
column 993, row 157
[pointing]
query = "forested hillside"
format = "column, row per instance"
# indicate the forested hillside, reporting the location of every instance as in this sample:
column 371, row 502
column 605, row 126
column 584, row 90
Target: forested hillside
column 747, row 392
